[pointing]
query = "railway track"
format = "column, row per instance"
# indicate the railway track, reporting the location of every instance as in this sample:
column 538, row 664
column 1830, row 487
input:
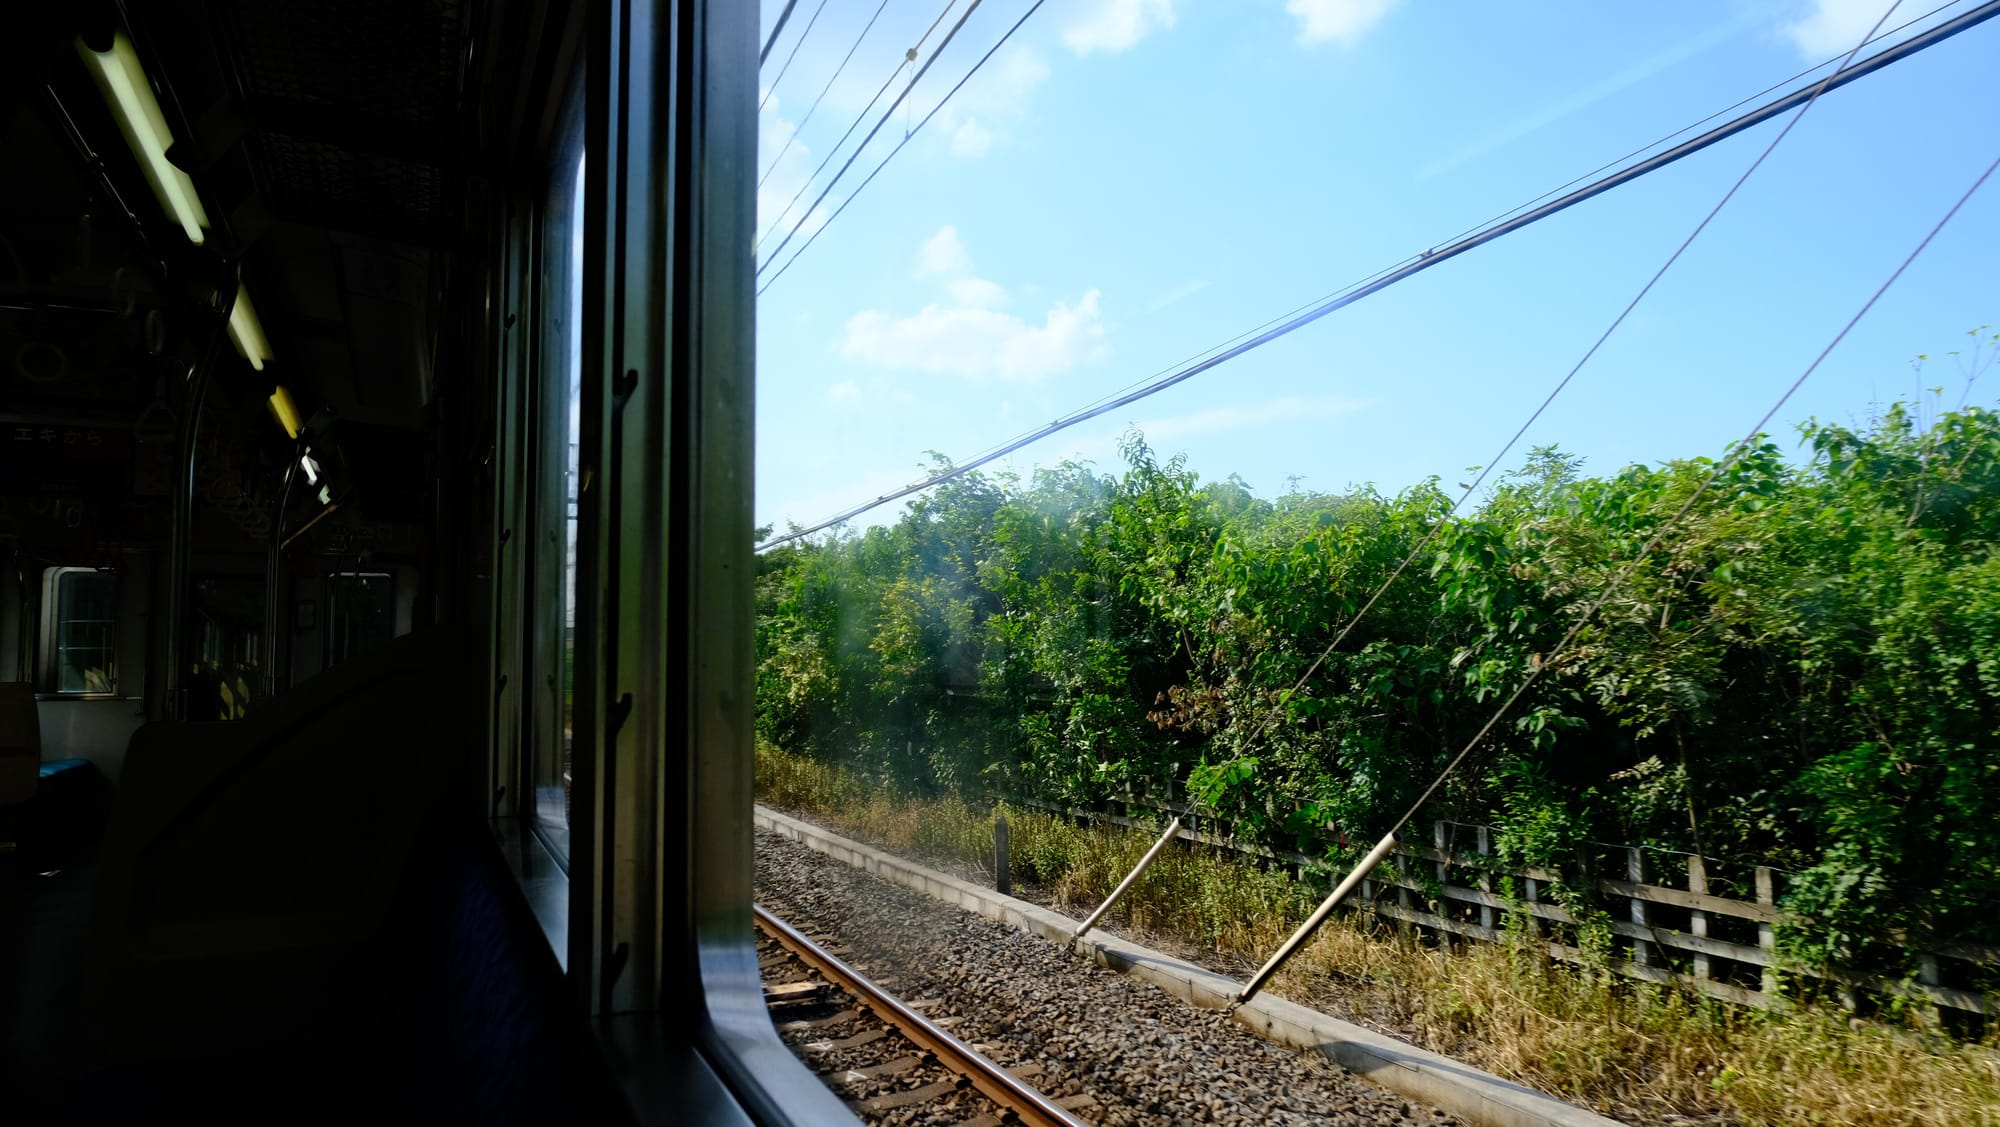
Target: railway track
column 891, row 1064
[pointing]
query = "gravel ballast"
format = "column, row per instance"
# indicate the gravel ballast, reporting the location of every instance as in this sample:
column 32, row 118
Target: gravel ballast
column 1144, row 1057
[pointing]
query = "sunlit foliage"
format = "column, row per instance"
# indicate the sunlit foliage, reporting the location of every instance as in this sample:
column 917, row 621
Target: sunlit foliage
column 1805, row 671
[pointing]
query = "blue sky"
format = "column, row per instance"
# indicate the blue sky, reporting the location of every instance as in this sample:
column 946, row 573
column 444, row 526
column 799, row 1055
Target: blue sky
column 1129, row 182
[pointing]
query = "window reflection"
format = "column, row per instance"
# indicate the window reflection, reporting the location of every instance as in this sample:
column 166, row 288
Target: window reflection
column 557, row 430
column 84, row 628
column 360, row 614
column 228, row 646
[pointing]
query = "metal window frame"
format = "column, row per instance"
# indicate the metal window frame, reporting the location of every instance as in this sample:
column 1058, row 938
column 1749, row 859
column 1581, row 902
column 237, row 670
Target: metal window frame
column 548, row 447
column 332, row 605
column 48, row 676
column 661, row 948
column 650, row 915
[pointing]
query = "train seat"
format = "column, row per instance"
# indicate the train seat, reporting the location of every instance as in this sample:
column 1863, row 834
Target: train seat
column 299, row 902
column 20, row 743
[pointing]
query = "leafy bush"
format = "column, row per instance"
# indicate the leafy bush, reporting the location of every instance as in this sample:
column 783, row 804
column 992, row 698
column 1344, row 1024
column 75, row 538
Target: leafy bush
column 1805, row 672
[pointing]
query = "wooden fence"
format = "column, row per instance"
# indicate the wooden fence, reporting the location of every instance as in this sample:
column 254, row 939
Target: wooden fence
column 1675, row 918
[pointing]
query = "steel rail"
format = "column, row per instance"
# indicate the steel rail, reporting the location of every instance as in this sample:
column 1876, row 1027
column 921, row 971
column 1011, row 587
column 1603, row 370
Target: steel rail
column 997, row 1084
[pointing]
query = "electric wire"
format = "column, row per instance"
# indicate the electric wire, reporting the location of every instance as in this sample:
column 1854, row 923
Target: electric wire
column 1721, row 467
column 863, row 146
column 1607, row 165
column 776, row 30
column 807, row 183
column 796, row 44
column 787, row 146
column 908, row 134
column 1536, row 669
column 1534, row 416
column 1283, row 700
column 1381, row 280
column 909, row 56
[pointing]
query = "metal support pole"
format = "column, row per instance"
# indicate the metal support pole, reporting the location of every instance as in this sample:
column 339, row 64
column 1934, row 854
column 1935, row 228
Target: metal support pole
column 1089, row 922
column 180, row 536
column 276, row 618
column 1003, row 873
column 1299, row 937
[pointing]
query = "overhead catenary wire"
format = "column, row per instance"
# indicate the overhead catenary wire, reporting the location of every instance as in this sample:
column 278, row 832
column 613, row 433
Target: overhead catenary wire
column 796, row 44
column 1600, row 169
column 1384, row 279
column 863, row 146
column 1486, row 469
column 1387, row 843
column 1618, row 580
column 908, row 135
column 806, row 184
column 909, row 56
column 776, row 30
column 837, row 72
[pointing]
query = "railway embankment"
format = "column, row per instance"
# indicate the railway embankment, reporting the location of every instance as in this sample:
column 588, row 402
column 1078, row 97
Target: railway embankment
column 1647, row 1055
column 1123, row 1052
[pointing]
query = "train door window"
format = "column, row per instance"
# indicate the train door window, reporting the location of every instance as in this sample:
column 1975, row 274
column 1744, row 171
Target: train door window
column 360, row 614
column 559, row 386
column 80, row 630
column 228, row 652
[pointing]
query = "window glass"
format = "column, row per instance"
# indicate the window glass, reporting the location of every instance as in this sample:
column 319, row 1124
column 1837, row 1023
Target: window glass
column 360, row 615
column 228, row 647
column 571, row 425
column 557, row 429
column 84, row 649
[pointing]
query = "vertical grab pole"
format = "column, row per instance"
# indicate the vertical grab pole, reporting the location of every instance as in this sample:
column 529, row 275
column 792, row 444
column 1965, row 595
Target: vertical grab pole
column 1299, row 937
column 1173, row 828
column 180, row 532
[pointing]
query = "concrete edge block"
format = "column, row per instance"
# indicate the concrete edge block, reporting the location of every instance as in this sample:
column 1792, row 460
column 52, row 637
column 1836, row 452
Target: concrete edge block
column 1476, row 1096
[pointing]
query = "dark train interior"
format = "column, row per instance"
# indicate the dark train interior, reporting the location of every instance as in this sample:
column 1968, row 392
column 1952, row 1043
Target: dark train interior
column 374, row 514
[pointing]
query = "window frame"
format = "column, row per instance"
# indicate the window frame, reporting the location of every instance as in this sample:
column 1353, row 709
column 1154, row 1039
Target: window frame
column 650, row 914
column 327, row 614
column 49, row 675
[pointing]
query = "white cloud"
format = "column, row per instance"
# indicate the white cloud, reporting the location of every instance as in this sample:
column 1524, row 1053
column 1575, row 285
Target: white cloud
column 996, row 100
column 971, row 139
column 1833, row 27
column 782, row 186
column 977, row 293
column 1114, row 25
column 1345, row 20
column 1162, row 434
column 943, row 255
column 843, row 391
column 1178, row 294
column 979, row 343
column 1590, row 95
column 1284, row 409
column 968, row 334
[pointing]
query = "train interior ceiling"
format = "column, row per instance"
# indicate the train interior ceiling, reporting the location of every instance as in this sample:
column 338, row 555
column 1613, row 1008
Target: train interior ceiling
column 251, row 390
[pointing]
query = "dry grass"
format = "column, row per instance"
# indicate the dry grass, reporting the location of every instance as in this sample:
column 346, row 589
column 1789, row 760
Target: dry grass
column 1647, row 1054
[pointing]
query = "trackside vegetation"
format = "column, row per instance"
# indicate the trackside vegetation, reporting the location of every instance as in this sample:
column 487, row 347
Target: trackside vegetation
column 1647, row 1055
column 1804, row 674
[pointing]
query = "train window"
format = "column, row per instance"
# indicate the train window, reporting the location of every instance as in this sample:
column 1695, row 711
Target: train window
column 559, row 385
column 360, row 614
column 228, row 652
column 81, row 631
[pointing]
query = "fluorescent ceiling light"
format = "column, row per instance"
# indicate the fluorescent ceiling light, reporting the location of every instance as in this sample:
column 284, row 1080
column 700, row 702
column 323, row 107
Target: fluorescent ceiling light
column 124, row 86
column 247, row 333
column 283, row 410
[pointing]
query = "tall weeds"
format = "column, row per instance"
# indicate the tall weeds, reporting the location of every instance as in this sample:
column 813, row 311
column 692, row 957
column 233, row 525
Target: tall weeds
column 1643, row 1053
